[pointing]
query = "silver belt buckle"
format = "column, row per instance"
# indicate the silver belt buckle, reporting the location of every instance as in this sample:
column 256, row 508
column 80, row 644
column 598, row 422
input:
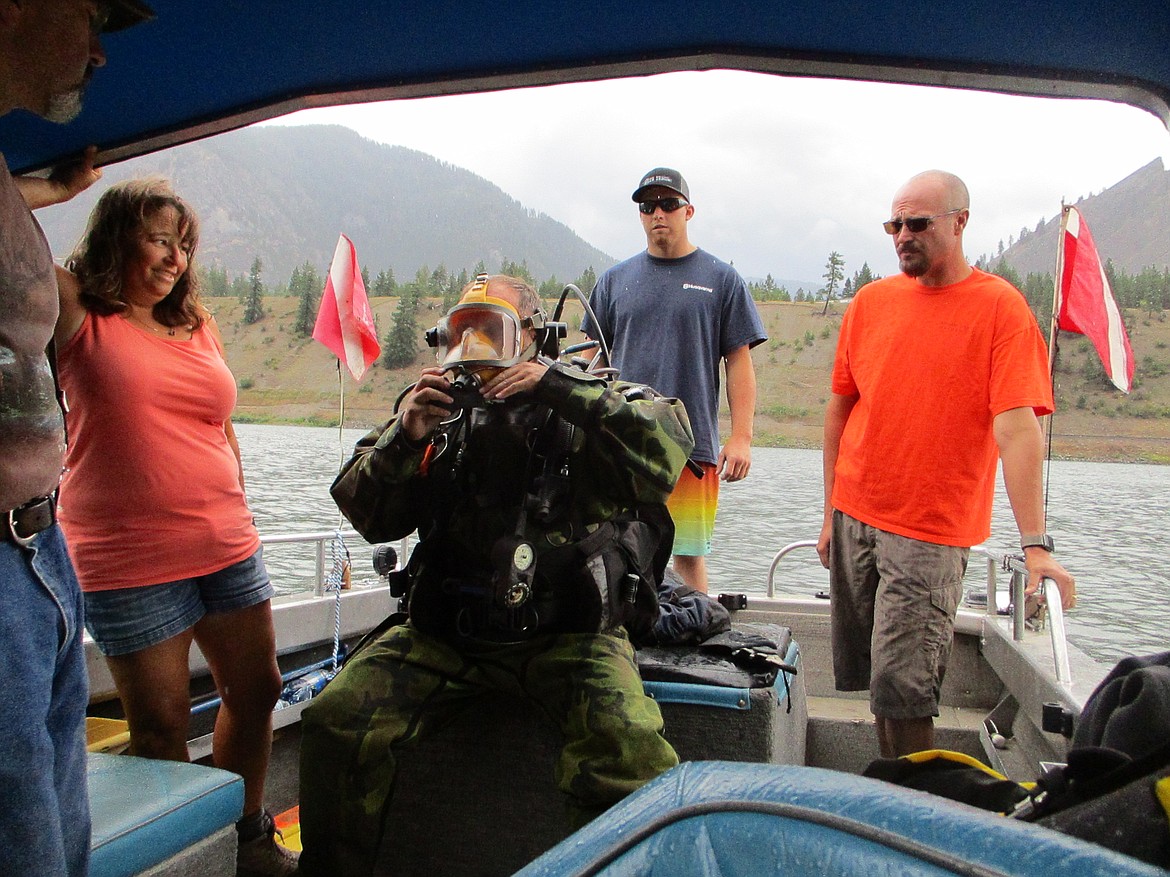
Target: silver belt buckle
column 23, row 541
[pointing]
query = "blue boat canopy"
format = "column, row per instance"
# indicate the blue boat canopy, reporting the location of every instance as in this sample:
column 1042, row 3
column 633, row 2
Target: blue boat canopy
column 206, row 66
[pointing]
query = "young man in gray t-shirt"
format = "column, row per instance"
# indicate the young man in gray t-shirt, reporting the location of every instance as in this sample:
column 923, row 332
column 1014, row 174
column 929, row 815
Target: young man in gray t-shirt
column 670, row 315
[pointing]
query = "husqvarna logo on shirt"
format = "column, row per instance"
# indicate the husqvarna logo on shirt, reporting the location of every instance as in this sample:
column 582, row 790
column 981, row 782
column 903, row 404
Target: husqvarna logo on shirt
column 696, row 286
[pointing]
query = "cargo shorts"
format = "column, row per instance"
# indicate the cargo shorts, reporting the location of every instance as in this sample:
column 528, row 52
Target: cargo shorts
column 893, row 605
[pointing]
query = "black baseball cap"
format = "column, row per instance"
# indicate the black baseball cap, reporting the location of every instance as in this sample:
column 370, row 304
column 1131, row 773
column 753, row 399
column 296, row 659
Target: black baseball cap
column 666, row 177
column 127, row 13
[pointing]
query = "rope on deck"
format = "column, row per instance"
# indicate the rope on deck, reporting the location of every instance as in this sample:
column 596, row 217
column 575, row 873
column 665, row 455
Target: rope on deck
column 337, row 580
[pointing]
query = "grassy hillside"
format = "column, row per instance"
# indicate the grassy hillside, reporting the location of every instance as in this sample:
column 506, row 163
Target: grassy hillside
column 287, row 379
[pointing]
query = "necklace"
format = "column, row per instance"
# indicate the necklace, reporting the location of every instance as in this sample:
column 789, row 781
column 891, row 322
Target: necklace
column 170, row 330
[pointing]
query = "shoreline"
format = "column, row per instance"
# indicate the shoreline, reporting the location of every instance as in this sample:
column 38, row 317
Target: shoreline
column 1102, row 449
column 1084, row 448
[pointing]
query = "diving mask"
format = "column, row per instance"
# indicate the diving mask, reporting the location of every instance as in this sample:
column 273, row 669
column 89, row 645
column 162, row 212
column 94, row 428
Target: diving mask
column 481, row 335
column 478, row 335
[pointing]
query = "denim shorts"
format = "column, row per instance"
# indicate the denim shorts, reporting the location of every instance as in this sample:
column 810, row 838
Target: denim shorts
column 125, row 620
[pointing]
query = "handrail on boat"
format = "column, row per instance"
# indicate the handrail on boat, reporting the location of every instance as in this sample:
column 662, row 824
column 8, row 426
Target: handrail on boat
column 1016, row 567
column 321, row 538
column 787, row 549
column 1055, row 623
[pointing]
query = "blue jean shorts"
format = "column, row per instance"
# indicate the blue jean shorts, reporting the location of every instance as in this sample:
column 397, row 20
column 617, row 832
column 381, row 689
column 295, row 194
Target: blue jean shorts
column 125, row 620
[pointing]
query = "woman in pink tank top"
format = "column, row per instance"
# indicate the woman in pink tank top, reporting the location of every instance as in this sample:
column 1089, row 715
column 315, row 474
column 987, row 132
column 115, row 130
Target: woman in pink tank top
column 153, row 503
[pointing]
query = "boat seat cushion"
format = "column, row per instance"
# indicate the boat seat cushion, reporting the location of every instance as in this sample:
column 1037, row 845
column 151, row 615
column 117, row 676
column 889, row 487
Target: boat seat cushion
column 751, row 820
column 146, row 811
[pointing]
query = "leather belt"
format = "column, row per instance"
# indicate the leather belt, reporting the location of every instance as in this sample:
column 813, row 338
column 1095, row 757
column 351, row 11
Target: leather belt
column 23, row 523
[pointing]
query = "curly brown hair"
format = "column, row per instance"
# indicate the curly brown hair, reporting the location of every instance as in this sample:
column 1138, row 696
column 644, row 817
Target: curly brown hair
column 99, row 257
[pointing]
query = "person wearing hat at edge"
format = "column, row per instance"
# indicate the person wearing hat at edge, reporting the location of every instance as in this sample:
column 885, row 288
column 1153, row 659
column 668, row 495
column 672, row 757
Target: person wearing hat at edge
column 49, row 49
column 538, row 494
column 674, row 296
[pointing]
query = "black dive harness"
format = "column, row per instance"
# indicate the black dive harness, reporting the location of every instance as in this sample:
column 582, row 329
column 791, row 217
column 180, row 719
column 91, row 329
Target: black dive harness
column 601, row 575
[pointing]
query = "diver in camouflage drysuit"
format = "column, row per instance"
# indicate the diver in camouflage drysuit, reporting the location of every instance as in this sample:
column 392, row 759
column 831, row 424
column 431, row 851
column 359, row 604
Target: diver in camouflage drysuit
column 471, row 485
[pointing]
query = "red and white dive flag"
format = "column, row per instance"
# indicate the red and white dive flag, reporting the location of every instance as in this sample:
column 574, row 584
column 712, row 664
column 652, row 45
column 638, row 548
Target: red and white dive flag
column 345, row 323
column 1084, row 301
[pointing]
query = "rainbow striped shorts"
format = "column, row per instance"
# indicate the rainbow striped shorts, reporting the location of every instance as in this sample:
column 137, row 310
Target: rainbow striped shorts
column 692, row 506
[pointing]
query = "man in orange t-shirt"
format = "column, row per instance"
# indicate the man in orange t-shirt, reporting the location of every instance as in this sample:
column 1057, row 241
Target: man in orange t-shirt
column 940, row 372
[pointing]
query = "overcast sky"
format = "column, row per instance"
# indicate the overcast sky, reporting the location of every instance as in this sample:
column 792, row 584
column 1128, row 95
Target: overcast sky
column 782, row 171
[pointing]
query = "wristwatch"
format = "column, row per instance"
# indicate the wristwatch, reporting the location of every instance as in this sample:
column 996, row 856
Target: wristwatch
column 1042, row 541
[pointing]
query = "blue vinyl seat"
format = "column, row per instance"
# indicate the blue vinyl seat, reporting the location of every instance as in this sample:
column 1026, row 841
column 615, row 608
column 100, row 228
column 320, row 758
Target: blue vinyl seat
column 162, row 817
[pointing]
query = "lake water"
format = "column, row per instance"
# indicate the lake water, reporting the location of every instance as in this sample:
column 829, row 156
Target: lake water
column 1109, row 520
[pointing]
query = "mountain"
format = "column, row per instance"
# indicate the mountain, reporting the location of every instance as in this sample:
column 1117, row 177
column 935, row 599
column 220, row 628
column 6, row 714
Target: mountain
column 284, row 194
column 1130, row 222
column 285, row 378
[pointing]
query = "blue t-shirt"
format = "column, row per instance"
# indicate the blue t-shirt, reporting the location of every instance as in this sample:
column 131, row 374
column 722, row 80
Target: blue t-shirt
column 669, row 323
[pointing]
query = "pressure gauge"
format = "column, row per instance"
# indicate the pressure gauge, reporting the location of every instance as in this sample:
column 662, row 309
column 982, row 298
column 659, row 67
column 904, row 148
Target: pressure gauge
column 523, row 556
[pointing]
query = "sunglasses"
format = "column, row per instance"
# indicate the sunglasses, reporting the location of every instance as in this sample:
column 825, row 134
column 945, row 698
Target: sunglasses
column 668, row 205
column 916, row 224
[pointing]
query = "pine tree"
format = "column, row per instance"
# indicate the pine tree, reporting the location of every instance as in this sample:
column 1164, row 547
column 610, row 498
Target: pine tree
column 384, row 283
column 587, row 280
column 214, row 281
column 254, row 303
column 305, row 283
column 834, row 272
column 421, row 287
column 550, row 292
column 453, row 289
column 1007, row 272
column 864, row 276
column 518, row 269
column 401, row 345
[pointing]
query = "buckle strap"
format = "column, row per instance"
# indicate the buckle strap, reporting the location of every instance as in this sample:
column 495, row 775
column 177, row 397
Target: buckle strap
column 23, row 523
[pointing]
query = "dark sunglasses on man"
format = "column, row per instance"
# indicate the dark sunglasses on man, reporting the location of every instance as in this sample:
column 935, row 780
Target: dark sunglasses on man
column 668, row 205
column 915, row 224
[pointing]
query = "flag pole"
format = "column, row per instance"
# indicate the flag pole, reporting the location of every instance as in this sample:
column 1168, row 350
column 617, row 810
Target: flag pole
column 1056, row 276
column 340, row 431
column 1053, row 324
column 1053, row 350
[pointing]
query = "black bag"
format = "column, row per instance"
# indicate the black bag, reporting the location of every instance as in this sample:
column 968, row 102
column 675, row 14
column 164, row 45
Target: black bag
column 950, row 775
column 1119, row 763
column 1130, row 710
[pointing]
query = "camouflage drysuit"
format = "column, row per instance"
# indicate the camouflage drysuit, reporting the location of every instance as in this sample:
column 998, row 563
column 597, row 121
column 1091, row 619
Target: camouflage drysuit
column 463, row 492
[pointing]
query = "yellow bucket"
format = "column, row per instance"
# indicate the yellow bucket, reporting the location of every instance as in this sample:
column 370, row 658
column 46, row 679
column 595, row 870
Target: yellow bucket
column 106, row 735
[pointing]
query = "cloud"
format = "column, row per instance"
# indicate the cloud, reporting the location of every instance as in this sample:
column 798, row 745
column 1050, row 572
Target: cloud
column 782, row 170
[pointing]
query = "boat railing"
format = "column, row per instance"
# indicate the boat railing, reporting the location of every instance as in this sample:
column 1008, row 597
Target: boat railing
column 780, row 555
column 1053, row 609
column 321, row 541
column 994, row 561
